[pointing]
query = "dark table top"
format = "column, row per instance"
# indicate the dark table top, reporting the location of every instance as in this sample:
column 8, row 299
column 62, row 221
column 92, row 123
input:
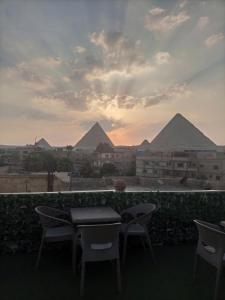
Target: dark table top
column 94, row 215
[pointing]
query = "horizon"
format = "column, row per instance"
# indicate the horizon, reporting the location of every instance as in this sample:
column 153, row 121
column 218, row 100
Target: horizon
column 176, row 117
column 129, row 66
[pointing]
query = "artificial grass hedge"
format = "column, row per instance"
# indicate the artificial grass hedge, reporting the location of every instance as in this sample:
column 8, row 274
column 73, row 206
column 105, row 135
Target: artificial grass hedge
column 171, row 224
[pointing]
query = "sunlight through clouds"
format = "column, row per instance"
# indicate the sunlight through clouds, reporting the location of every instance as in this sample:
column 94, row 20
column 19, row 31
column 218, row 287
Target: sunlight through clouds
column 65, row 65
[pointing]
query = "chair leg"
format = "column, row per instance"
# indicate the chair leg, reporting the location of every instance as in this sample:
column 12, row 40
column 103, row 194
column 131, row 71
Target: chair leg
column 143, row 242
column 150, row 247
column 39, row 252
column 124, row 248
column 82, row 278
column 118, row 275
column 74, row 255
column 218, row 274
column 196, row 263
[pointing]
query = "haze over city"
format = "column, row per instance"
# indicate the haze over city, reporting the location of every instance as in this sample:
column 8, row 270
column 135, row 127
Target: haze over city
column 129, row 65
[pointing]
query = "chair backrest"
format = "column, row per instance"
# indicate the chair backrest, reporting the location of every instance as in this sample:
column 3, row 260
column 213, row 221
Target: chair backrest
column 141, row 213
column 100, row 242
column 211, row 242
column 51, row 217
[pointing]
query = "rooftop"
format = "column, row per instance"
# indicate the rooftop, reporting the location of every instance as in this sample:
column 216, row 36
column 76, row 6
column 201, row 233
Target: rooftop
column 170, row 279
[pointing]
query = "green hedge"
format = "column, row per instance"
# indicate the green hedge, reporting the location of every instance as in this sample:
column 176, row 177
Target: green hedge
column 172, row 223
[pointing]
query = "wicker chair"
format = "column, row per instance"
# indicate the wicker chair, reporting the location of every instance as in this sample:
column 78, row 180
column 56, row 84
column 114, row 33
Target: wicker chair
column 211, row 247
column 99, row 243
column 56, row 227
column 139, row 217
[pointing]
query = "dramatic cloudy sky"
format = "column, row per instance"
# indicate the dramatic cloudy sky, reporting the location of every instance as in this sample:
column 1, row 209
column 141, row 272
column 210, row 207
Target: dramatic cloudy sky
column 131, row 65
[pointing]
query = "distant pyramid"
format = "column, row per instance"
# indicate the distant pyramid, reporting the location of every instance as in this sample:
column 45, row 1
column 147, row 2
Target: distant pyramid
column 93, row 138
column 42, row 143
column 181, row 134
column 144, row 145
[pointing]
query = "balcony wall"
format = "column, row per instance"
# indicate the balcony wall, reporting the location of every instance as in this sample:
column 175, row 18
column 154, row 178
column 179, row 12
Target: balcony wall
column 171, row 224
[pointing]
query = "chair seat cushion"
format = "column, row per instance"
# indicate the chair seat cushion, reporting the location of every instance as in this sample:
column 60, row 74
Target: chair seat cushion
column 133, row 229
column 212, row 250
column 60, row 233
column 105, row 246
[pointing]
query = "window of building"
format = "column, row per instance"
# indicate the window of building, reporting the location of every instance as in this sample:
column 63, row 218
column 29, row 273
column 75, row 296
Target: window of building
column 180, row 165
column 218, row 178
column 215, row 167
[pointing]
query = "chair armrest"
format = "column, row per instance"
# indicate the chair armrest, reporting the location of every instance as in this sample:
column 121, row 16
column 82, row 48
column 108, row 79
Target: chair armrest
column 126, row 212
column 51, row 221
column 59, row 212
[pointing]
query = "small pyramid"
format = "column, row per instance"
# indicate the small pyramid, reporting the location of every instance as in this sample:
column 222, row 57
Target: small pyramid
column 93, row 138
column 181, row 134
column 42, row 143
column 145, row 143
column 143, row 146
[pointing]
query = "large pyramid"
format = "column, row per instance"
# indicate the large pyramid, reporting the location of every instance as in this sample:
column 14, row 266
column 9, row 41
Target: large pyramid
column 181, row 134
column 42, row 143
column 93, row 138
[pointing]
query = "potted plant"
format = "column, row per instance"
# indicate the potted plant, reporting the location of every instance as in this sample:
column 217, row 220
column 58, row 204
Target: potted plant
column 119, row 185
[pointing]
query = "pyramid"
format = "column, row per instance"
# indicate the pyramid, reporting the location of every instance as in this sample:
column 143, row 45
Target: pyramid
column 181, row 134
column 144, row 145
column 42, row 143
column 93, row 138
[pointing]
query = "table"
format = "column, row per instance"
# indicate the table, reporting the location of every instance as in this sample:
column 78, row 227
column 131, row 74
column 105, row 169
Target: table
column 94, row 215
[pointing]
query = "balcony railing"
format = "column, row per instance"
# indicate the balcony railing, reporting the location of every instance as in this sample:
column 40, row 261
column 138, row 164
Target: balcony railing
column 171, row 224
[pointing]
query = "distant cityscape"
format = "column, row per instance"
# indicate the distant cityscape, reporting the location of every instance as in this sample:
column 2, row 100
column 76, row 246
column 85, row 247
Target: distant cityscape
column 179, row 157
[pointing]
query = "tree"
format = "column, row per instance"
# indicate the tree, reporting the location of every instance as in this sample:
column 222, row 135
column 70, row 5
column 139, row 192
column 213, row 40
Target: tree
column 86, row 169
column 131, row 170
column 42, row 161
column 108, row 169
column 33, row 163
column 64, row 164
column 69, row 149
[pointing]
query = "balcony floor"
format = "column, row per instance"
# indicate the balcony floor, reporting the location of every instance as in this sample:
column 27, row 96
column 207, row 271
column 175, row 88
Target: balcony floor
column 170, row 279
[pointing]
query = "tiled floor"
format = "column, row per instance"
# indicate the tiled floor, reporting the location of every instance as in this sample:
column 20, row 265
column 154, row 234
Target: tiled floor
column 170, row 279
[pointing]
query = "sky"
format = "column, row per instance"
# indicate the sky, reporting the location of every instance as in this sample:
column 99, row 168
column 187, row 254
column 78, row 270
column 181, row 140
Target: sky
column 129, row 65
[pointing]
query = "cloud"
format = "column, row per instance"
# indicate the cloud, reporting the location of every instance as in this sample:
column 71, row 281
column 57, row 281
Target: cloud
column 77, row 100
column 164, row 24
column 156, row 11
column 109, row 40
column 46, row 62
column 120, row 53
column 128, row 102
column 214, row 39
column 13, row 110
column 183, row 3
column 31, row 75
column 202, row 22
column 162, row 57
column 177, row 91
column 108, row 123
column 79, row 49
column 116, row 56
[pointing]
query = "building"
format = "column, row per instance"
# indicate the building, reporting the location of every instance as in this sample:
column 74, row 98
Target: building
column 166, row 164
column 123, row 158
